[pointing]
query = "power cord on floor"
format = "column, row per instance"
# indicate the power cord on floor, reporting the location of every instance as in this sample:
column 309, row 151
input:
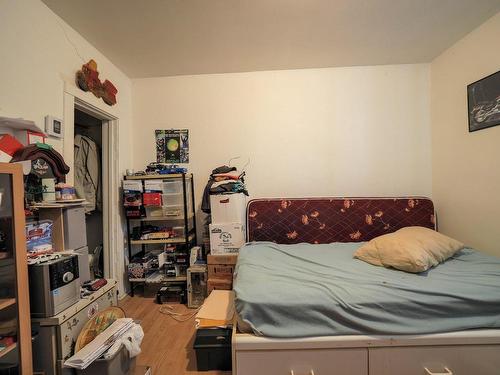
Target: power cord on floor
column 180, row 317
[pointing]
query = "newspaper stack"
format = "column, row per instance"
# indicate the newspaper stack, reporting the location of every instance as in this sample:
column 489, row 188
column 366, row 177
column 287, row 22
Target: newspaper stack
column 82, row 359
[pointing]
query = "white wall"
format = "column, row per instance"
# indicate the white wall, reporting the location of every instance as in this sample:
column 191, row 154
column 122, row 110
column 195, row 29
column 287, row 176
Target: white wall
column 361, row 131
column 36, row 59
column 465, row 166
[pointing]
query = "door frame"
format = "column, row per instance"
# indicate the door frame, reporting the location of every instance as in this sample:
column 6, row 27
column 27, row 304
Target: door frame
column 110, row 157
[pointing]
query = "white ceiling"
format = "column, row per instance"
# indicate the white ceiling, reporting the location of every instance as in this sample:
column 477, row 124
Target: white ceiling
column 172, row 37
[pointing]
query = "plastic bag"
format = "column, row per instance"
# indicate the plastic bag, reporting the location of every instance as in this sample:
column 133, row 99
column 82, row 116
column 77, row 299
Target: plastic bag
column 131, row 339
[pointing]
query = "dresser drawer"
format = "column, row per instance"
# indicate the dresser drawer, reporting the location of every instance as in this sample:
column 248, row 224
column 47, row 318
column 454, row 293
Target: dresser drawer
column 303, row 362
column 456, row 360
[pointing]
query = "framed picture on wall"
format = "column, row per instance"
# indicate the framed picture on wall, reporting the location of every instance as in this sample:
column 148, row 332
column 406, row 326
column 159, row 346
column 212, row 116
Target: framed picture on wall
column 172, row 146
column 483, row 102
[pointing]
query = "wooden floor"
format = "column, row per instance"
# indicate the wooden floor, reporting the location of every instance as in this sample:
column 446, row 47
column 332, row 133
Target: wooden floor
column 168, row 345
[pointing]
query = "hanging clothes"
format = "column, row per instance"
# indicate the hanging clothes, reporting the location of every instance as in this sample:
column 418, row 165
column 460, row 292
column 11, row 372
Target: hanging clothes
column 88, row 172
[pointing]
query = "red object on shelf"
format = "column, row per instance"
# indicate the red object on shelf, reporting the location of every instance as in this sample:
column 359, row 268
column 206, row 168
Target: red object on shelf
column 132, row 212
column 151, row 199
column 7, row 341
column 8, row 146
column 29, row 137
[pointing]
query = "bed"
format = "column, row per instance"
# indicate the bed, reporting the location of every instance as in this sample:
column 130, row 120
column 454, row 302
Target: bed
column 342, row 316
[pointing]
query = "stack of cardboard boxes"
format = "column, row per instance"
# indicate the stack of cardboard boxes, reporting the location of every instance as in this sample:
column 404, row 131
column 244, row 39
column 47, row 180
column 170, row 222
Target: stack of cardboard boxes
column 227, row 235
column 220, row 271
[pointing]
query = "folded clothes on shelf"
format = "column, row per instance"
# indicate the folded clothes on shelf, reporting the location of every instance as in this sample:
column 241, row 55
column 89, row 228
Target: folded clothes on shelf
column 223, row 180
column 228, row 186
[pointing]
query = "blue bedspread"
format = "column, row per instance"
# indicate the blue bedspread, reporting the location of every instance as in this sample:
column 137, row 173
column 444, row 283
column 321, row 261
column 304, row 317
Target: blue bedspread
column 317, row 290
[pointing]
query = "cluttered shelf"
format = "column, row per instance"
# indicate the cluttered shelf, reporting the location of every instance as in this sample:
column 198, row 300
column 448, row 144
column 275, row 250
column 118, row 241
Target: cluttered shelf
column 6, row 302
column 162, row 279
column 157, row 176
column 162, row 218
column 176, row 240
column 44, row 259
column 59, row 203
column 162, row 210
column 7, row 349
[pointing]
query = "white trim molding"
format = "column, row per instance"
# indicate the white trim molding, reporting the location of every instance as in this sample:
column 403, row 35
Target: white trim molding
column 87, row 102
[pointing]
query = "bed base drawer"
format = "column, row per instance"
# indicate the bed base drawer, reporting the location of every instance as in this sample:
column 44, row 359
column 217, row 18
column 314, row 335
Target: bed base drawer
column 303, row 362
column 436, row 360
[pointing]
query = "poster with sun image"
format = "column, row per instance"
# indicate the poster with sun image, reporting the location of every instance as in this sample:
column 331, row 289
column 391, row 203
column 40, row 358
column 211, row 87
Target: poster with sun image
column 172, row 146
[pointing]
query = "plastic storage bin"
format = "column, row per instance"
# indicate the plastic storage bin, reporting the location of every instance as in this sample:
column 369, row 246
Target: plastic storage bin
column 176, row 212
column 119, row 364
column 178, row 231
column 175, row 186
column 154, row 212
column 173, row 212
column 176, row 200
column 213, row 349
column 173, row 199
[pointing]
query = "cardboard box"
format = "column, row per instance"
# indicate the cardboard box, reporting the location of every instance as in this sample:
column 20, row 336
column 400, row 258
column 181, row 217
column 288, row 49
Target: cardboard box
column 220, row 271
column 226, row 238
column 228, row 208
column 222, row 259
column 151, row 199
column 132, row 199
column 153, row 186
column 218, row 284
column 132, row 186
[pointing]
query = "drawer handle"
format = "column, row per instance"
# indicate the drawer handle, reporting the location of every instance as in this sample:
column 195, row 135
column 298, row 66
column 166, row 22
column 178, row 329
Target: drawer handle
column 448, row 372
column 311, row 372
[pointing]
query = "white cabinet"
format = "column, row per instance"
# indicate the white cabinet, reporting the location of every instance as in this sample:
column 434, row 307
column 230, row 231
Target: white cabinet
column 472, row 352
column 452, row 360
column 303, row 362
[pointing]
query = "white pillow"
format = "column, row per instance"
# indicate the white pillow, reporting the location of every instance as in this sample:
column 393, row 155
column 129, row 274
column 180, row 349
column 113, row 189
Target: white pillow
column 411, row 249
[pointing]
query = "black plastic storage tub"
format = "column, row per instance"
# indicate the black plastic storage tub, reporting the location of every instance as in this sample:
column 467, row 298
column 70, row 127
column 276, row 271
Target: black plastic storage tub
column 213, row 349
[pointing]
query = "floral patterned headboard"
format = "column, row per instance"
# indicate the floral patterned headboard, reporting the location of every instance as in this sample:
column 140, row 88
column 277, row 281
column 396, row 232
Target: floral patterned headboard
column 325, row 220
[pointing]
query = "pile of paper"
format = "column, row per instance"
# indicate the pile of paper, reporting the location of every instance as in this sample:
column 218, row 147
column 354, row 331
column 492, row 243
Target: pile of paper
column 19, row 123
column 217, row 310
column 100, row 344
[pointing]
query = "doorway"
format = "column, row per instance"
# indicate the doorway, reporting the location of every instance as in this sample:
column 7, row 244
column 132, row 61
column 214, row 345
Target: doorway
column 109, row 260
column 113, row 252
column 88, row 180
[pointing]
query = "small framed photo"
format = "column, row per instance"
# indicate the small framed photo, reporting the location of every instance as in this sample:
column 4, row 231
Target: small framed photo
column 53, row 126
column 483, row 102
